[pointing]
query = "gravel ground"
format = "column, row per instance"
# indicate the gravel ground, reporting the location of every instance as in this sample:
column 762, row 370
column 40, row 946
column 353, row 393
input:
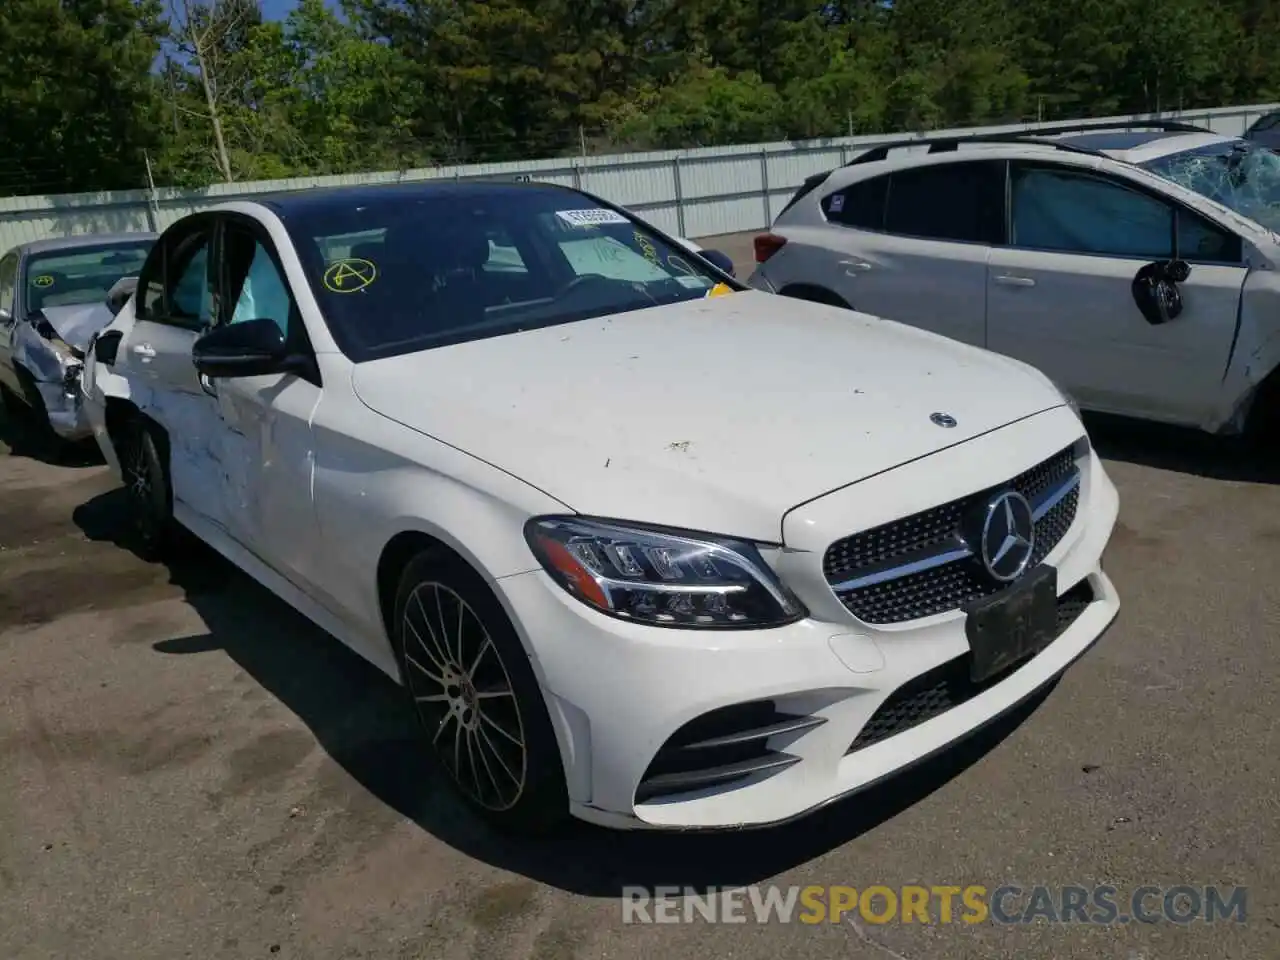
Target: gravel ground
column 189, row 768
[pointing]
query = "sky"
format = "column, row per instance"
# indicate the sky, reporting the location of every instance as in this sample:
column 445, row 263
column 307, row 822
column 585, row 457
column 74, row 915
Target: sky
column 277, row 9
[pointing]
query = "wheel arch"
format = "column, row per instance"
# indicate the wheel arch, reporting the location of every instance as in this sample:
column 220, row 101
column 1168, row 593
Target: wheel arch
column 411, row 541
column 1262, row 410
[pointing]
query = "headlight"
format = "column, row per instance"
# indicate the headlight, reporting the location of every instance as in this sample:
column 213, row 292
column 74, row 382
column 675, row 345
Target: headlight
column 662, row 578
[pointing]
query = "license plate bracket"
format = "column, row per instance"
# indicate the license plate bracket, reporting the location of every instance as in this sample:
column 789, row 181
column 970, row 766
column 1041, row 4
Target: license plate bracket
column 1012, row 625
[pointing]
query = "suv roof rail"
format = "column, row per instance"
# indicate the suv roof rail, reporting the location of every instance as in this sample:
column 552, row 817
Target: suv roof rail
column 1037, row 136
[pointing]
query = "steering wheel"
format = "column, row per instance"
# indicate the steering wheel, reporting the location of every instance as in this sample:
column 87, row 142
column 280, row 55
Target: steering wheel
column 581, row 281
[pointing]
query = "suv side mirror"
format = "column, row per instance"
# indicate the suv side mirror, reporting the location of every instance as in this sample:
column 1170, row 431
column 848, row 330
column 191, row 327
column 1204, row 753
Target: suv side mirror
column 120, row 293
column 721, row 261
column 248, row 349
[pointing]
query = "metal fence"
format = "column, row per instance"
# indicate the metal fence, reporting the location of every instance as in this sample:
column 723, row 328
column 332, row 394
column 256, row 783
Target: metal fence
column 693, row 193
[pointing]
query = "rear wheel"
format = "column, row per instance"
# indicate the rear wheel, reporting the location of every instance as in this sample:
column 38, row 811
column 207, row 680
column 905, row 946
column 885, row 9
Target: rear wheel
column 477, row 697
column 147, row 486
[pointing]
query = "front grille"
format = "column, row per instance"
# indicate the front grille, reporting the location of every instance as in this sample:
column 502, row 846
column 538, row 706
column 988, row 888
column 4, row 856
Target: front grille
column 934, row 693
column 922, row 565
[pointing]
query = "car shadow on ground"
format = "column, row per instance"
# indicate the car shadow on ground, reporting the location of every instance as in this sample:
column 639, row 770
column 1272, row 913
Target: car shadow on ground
column 364, row 723
column 20, row 438
column 1181, row 450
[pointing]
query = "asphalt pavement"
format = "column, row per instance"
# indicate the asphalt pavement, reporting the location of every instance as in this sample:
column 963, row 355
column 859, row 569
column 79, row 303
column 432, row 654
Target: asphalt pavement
column 188, row 768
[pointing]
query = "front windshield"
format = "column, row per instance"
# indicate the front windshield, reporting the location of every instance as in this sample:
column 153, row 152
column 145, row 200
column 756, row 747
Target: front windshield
column 1238, row 175
column 408, row 272
column 79, row 275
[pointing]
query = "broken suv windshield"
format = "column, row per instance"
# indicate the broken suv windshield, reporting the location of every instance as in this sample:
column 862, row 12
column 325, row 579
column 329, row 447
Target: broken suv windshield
column 1237, row 175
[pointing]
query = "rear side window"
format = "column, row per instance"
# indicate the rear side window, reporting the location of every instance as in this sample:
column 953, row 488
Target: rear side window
column 950, row 201
column 810, row 184
column 860, row 204
column 1266, row 123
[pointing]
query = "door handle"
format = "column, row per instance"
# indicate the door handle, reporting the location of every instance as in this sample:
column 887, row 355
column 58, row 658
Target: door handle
column 145, row 350
column 1008, row 281
column 853, row 267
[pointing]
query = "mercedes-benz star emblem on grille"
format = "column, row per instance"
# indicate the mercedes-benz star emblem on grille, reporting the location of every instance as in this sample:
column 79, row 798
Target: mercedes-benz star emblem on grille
column 1008, row 536
column 943, row 419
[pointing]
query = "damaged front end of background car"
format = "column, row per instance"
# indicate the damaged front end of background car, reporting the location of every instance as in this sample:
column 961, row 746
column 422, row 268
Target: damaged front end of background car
column 49, row 345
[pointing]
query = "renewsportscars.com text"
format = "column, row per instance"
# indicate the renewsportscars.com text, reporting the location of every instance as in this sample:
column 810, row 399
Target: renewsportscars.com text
column 943, row 904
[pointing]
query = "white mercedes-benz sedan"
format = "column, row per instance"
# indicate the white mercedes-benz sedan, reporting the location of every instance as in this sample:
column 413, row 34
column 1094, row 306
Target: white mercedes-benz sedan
column 642, row 545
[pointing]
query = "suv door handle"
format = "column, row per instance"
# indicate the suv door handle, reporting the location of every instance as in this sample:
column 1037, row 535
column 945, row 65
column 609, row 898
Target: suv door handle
column 1009, row 281
column 145, row 350
column 850, row 266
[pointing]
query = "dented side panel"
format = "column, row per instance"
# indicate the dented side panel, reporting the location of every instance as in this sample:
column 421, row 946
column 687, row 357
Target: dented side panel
column 1257, row 348
column 268, row 463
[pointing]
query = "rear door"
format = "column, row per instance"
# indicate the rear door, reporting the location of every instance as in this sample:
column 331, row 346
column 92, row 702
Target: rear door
column 174, row 303
column 1061, row 293
column 912, row 245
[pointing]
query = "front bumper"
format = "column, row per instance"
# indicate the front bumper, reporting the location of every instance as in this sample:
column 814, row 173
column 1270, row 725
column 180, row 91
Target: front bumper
column 93, row 401
column 619, row 694
column 64, row 404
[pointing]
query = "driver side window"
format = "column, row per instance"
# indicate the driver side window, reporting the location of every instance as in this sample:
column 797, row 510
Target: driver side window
column 256, row 290
column 1075, row 212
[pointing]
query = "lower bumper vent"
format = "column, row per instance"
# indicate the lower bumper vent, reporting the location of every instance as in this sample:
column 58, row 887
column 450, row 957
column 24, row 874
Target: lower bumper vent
column 947, row 686
column 723, row 746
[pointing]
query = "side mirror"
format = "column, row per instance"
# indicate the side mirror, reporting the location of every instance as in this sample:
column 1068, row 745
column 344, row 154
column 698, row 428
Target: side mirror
column 120, row 293
column 1155, row 290
column 6, row 315
column 248, row 349
column 721, row 261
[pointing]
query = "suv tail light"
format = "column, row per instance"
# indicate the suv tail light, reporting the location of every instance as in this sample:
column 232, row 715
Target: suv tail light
column 767, row 244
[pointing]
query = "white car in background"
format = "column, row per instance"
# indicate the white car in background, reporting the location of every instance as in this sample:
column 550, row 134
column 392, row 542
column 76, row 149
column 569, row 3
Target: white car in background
column 1137, row 268
column 640, row 546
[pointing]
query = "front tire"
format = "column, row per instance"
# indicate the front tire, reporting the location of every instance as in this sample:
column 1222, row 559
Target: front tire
column 150, row 494
column 476, row 695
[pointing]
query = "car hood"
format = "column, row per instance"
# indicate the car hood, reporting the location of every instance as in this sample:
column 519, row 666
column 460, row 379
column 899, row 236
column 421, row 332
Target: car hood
column 716, row 414
column 76, row 323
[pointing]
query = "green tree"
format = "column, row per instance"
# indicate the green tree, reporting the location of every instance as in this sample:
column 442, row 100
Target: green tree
column 78, row 103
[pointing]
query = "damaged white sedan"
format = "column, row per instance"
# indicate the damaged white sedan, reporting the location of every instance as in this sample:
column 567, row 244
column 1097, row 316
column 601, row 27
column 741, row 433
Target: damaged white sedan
column 54, row 296
column 642, row 545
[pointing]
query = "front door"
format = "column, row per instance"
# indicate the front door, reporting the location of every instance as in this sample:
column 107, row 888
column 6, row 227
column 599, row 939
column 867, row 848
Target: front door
column 266, row 438
column 1061, row 298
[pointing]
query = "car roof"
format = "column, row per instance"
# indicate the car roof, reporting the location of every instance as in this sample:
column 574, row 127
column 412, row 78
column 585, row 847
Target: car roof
column 315, row 199
column 1139, row 146
column 80, row 240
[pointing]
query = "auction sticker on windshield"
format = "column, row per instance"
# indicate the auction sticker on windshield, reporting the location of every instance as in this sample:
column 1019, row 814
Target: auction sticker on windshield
column 590, row 218
column 349, row 275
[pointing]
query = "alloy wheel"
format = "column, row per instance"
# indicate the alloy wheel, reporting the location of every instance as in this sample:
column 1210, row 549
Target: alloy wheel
column 464, row 696
column 139, row 486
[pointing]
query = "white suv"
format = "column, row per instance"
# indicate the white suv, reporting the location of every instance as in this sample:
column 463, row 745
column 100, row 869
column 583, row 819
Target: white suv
column 1136, row 268
column 639, row 544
